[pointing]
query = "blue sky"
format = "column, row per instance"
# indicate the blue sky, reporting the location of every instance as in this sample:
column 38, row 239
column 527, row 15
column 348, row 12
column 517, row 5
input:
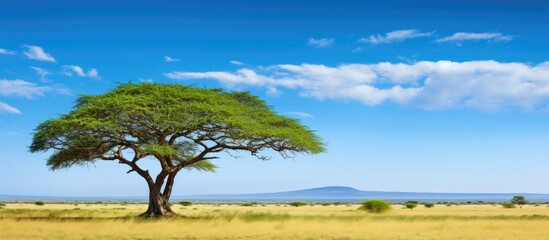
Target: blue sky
column 408, row 95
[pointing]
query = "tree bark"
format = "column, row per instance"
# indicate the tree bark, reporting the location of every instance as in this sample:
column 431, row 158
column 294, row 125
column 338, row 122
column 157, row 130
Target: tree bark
column 159, row 204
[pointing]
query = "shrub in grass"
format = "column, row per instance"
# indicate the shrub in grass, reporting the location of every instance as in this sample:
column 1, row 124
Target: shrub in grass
column 185, row 203
column 410, row 205
column 375, row 206
column 248, row 204
column 297, row 204
column 39, row 203
column 428, row 205
column 508, row 205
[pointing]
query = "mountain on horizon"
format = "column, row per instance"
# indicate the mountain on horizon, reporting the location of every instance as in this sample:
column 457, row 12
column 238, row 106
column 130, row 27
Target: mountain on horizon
column 345, row 193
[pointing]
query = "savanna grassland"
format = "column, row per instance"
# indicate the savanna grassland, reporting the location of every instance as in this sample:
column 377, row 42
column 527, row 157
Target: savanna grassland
column 271, row 221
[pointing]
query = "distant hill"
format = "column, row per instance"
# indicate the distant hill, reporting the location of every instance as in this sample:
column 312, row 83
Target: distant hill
column 340, row 193
column 322, row 194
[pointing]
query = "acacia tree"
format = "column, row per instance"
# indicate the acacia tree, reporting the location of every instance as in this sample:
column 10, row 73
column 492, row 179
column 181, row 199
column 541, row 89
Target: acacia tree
column 178, row 126
column 519, row 200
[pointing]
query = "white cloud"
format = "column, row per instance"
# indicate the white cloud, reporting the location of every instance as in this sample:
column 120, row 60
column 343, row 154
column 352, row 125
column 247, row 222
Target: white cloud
column 468, row 36
column 170, row 59
column 69, row 70
column 487, row 85
column 321, row 43
column 273, row 91
column 236, row 62
column 20, row 88
column 395, row 36
column 37, row 53
column 6, row 51
column 243, row 76
column 5, row 108
column 42, row 73
column 92, row 73
column 301, row 114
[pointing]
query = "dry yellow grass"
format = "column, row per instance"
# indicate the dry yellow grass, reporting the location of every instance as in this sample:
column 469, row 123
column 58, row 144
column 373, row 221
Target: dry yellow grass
column 207, row 221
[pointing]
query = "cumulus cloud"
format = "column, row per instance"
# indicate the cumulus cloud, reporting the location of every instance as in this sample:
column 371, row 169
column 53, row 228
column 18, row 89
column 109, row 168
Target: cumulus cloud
column 70, row 70
column 92, row 73
column 395, row 36
column 37, row 53
column 20, row 88
column 6, row 51
column 243, row 76
column 5, row 108
column 170, row 59
column 321, row 43
column 487, row 85
column 42, row 73
column 468, row 36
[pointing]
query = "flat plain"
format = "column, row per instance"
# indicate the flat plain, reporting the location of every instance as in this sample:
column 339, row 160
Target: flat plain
column 271, row 221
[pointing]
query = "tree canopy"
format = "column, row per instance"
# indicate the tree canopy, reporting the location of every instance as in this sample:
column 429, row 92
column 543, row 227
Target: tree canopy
column 519, row 199
column 180, row 126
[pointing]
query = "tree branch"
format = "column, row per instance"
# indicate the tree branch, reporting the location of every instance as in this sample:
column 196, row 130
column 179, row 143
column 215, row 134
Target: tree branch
column 143, row 173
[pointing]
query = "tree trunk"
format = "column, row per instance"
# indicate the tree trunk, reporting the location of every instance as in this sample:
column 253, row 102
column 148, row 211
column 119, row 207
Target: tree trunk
column 159, row 204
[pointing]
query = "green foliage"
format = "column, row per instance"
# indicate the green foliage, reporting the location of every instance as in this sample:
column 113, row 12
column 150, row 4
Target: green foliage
column 411, row 204
column 509, row 205
column 375, row 206
column 170, row 122
column 428, row 205
column 185, row 203
column 519, row 200
column 251, row 204
column 203, row 166
column 39, row 203
column 297, row 204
